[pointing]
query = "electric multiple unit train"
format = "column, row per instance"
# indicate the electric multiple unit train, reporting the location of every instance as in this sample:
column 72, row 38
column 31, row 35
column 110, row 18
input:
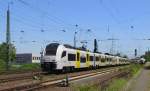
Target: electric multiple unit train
column 59, row 57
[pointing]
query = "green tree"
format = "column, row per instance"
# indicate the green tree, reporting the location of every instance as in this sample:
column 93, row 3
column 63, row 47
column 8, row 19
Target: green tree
column 3, row 53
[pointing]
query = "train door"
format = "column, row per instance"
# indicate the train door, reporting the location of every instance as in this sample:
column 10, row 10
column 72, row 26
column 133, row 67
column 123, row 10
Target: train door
column 78, row 59
column 100, row 60
column 87, row 59
column 94, row 59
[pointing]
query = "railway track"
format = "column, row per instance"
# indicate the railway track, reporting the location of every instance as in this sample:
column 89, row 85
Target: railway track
column 28, row 75
column 41, row 84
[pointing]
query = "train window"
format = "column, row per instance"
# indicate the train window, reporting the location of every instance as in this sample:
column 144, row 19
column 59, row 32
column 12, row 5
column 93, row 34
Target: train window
column 107, row 59
column 82, row 59
column 51, row 52
column 78, row 57
column 51, row 49
column 71, row 57
column 63, row 54
column 97, row 58
column 103, row 60
column 91, row 58
column 32, row 58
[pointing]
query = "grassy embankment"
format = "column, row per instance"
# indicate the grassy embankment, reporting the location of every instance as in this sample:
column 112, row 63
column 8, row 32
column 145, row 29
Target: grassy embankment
column 115, row 84
column 19, row 68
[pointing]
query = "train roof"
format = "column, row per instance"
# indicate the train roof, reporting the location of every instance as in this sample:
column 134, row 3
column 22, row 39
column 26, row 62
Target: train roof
column 55, row 45
column 78, row 48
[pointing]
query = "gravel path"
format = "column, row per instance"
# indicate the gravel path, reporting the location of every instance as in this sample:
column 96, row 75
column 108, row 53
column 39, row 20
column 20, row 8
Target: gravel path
column 143, row 81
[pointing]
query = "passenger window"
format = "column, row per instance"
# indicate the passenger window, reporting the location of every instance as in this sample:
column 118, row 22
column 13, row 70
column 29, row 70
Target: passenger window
column 71, row 57
column 83, row 59
column 63, row 54
column 107, row 59
column 91, row 58
column 103, row 60
column 97, row 58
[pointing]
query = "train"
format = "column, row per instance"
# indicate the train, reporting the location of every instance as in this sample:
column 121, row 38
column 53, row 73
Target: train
column 63, row 57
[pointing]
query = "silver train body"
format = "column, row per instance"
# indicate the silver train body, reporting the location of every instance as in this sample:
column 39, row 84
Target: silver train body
column 63, row 57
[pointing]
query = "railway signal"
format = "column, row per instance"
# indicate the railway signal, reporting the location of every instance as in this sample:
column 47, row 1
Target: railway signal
column 95, row 46
column 135, row 52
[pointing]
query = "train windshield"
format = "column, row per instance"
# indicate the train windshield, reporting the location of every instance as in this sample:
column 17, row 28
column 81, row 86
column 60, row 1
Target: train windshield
column 51, row 49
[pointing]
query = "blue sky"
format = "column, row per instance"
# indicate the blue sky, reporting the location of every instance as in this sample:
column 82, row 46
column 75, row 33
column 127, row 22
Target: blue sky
column 52, row 16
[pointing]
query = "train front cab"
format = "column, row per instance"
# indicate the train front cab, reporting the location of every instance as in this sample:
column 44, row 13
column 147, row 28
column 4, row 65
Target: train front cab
column 49, row 59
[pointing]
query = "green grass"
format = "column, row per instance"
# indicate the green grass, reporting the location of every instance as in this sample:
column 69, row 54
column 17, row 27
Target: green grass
column 86, row 88
column 32, row 66
column 24, row 67
column 135, row 68
column 19, row 68
column 117, row 84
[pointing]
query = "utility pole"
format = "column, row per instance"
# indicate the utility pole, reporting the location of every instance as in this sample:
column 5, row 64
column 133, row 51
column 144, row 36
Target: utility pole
column 112, row 45
column 8, row 41
column 75, row 33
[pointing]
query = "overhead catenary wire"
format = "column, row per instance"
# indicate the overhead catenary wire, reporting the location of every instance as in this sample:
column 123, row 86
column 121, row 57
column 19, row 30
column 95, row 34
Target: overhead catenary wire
column 49, row 16
column 109, row 11
column 21, row 20
column 30, row 19
column 29, row 23
column 113, row 16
